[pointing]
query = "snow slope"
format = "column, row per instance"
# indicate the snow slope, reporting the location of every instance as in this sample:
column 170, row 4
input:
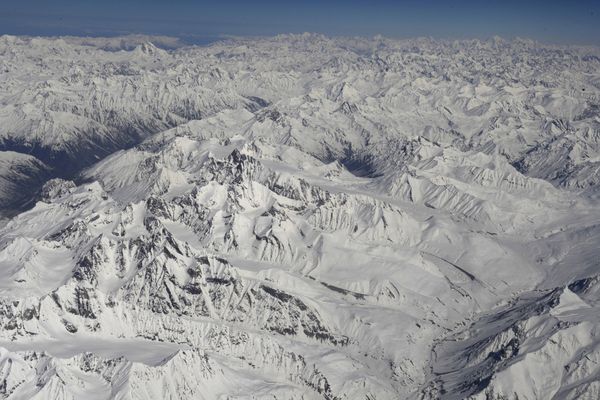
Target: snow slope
column 20, row 175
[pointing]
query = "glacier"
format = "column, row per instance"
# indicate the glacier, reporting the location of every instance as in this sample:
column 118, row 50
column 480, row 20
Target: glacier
column 299, row 217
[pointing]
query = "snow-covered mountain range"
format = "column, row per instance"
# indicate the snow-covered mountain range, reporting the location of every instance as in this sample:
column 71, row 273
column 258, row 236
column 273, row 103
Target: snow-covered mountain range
column 299, row 217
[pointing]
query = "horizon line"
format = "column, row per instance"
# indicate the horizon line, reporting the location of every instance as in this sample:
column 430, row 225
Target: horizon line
column 192, row 39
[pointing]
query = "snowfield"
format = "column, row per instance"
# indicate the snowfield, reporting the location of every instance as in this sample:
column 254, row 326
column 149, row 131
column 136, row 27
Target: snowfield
column 299, row 217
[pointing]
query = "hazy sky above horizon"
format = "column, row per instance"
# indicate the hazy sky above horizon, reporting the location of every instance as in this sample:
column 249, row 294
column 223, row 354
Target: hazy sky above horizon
column 573, row 21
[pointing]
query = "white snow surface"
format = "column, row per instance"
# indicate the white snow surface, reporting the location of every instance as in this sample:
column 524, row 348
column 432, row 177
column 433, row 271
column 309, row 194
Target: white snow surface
column 301, row 217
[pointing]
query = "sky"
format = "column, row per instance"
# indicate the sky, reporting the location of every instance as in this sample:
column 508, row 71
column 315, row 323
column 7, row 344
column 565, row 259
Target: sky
column 551, row 21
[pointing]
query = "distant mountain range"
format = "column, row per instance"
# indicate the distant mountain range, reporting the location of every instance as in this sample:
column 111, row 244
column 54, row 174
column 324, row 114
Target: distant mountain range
column 299, row 217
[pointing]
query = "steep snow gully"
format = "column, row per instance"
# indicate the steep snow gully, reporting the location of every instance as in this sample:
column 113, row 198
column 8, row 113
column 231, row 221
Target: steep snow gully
column 299, row 217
